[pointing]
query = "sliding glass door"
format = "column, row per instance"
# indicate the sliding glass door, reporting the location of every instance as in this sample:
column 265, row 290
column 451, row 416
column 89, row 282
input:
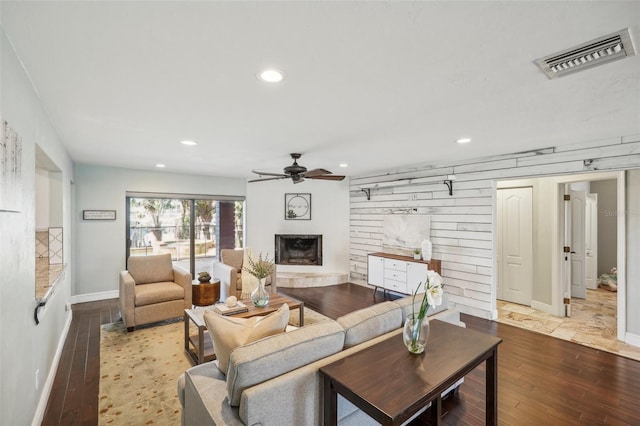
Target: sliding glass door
column 191, row 229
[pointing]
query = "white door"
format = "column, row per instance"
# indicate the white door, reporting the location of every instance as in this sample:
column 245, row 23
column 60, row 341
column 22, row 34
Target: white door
column 577, row 244
column 515, row 245
column 591, row 241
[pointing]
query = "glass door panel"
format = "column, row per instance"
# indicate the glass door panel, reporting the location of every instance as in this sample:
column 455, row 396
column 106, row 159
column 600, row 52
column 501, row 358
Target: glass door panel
column 191, row 230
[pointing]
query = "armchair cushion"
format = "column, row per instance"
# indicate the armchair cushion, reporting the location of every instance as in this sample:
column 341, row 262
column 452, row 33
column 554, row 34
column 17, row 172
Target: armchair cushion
column 151, row 269
column 149, row 294
column 228, row 333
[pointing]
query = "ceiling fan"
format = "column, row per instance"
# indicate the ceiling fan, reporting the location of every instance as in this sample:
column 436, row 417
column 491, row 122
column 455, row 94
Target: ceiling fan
column 297, row 173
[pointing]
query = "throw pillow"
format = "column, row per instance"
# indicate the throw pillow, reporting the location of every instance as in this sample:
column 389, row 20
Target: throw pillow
column 228, row 333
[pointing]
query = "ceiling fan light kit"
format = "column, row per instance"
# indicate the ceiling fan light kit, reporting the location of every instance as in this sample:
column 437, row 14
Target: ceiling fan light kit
column 297, row 173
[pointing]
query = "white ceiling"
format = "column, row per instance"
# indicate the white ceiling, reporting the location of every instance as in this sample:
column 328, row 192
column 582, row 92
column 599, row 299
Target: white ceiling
column 378, row 85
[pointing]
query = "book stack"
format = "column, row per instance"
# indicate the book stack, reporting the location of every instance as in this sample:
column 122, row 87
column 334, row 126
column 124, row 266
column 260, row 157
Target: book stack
column 223, row 309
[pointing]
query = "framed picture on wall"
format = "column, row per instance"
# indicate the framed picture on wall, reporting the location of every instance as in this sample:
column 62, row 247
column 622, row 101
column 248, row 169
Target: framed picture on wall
column 297, row 206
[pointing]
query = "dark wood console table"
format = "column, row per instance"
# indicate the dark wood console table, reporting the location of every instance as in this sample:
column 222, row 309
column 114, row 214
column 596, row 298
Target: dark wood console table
column 391, row 385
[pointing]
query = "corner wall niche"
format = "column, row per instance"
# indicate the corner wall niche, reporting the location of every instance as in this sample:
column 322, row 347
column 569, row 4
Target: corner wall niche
column 294, row 249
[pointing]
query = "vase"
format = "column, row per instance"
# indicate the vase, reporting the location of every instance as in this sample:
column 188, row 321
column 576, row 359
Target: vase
column 427, row 249
column 415, row 334
column 260, row 296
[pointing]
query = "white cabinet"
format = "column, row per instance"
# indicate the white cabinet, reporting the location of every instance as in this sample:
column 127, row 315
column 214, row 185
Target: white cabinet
column 416, row 275
column 400, row 274
column 395, row 275
column 375, row 270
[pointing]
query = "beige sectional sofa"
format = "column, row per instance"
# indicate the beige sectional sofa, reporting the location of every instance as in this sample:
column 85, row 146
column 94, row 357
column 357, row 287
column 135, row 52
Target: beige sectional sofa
column 275, row 380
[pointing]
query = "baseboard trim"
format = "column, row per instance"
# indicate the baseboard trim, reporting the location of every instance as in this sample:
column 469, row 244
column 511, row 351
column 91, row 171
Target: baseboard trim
column 94, row 297
column 46, row 391
column 544, row 307
column 632, row 339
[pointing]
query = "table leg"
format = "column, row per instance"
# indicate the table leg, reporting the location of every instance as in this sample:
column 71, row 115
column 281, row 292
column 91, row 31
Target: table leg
column 186, row 332
column 201, row 344
column 435, row 411
column 330, row 403
column 301, row 314
column 491, row 393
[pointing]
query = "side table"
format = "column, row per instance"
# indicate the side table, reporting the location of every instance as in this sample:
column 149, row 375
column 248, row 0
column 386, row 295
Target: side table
column 205, row 294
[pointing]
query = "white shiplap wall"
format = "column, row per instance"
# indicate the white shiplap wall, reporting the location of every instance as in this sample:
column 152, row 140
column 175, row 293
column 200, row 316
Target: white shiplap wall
column 462, row 225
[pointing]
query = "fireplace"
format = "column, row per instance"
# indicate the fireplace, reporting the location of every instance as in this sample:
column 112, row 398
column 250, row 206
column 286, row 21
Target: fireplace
column 298, row 249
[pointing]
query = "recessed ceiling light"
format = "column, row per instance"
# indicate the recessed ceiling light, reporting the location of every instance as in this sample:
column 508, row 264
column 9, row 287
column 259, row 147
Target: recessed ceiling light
column 188, row 143
column 271, row 75
column 464, row 140
column 343, row 165
column 160, row 165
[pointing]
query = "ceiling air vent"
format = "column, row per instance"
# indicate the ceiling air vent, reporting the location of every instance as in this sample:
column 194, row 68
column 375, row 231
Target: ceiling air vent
column 587, row 55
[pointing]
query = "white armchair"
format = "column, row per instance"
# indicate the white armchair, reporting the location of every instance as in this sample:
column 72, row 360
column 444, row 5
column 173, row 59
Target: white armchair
column 229, row 272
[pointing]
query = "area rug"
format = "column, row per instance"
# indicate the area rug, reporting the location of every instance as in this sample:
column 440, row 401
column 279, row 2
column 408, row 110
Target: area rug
column 138, row 371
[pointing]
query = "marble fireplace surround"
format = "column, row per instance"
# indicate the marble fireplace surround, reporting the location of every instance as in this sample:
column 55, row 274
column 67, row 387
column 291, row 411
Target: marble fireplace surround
column 303, row 250
column 310, row 279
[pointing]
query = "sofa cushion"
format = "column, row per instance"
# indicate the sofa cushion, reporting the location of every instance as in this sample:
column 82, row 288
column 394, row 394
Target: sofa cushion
column 149, row 294
column 370, row 322
column 406, row 305
column 228, row 333
column 274, row 356
column 151, row 269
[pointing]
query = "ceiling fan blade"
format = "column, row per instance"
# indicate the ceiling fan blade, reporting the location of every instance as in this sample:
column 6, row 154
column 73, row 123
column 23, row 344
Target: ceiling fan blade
column 270, row 178
column 326, row 177
column 316, row 172
column 268, row 173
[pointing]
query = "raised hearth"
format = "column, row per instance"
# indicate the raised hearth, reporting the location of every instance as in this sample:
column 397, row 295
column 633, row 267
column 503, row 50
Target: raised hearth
column 292, row 249
column 310, row 279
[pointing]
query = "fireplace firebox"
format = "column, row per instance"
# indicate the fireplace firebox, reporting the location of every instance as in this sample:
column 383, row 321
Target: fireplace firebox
column 298, row 249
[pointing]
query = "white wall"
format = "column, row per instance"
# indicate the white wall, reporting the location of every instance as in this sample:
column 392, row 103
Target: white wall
column 329, row 217
column 101, row 245
column 632, row 215
column 462, row 225
column 42, row 199
column 27, row 347
column 607, row 224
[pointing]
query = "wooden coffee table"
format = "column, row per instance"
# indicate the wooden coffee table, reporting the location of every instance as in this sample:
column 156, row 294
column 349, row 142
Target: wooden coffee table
column 199, row 346
column 391, row 385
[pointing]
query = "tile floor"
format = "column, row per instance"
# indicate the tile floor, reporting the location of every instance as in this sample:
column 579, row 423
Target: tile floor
column 592, row 322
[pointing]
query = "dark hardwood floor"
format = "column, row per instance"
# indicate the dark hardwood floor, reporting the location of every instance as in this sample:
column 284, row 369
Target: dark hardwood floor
column 541, row 380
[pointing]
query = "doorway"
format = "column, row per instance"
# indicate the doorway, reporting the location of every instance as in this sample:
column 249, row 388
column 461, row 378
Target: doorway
column 601, row 200
column 515, row 244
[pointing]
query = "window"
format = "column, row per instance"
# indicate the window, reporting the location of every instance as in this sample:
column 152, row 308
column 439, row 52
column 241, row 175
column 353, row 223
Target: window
column 191, row 228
